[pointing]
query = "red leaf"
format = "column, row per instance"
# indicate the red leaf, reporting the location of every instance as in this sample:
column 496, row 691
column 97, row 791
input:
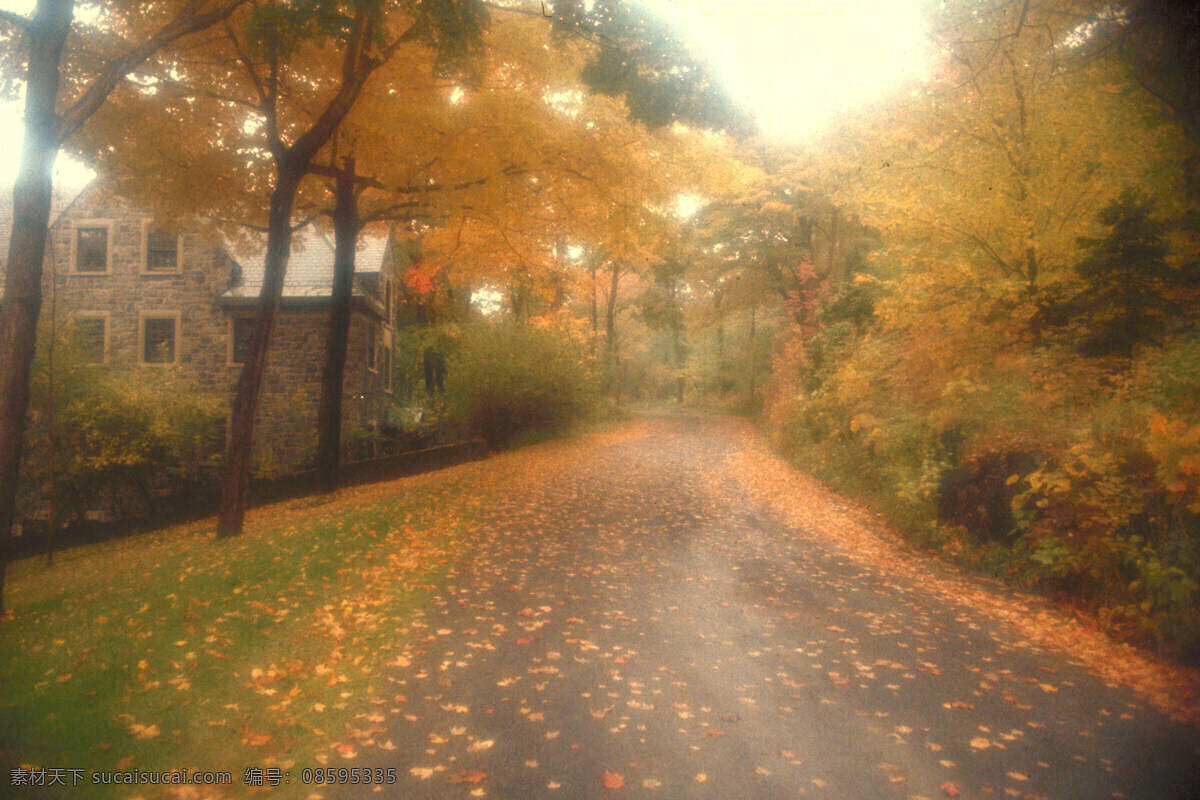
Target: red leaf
column 950, row 788
column 613, row 781
column 468, row 776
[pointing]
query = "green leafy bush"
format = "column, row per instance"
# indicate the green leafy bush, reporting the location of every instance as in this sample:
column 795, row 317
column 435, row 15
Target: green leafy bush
column 505, row 378
column 109, row 441
column 1053, row 470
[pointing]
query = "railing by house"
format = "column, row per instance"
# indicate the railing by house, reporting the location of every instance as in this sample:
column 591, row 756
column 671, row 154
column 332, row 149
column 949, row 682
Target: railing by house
column 203, row 499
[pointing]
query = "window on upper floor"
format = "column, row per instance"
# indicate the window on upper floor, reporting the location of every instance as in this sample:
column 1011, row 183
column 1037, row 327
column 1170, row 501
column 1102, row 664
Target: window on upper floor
column 160, row 338
column 372, row 355
column 91, row 248
column 162, row 252
column 240, row 331
column 89, row 335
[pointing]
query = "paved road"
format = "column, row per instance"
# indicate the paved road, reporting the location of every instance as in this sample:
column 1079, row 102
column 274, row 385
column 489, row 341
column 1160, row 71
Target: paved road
column 627, row 626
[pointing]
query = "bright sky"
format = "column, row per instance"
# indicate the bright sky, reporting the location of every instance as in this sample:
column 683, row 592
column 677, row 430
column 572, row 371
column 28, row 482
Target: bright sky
column 798, row 64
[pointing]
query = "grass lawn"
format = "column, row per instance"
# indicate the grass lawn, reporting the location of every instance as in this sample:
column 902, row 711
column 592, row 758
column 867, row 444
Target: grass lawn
column 174, row 650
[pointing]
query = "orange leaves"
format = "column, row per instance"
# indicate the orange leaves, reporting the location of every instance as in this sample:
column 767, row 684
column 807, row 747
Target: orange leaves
column 613, row 780
column 950, row 789
column 143, row 731
column 467, row 776
column 838, row 680
column 420, row 279
column 255, row 739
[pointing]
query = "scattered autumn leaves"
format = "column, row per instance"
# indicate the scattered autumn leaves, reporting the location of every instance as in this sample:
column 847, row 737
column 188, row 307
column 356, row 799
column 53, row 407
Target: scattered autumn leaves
column 617, row 618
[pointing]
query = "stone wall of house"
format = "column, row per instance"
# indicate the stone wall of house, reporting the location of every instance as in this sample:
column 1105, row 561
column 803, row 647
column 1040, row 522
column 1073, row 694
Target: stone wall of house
column 126, row 293
column 286, row 421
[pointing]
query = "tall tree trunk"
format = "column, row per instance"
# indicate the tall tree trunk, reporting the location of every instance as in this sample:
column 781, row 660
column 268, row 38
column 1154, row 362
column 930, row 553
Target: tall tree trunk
column 52, row 422
column 610, row 331
column 610, row 313
column 718, row 299
column 329, row 412
column 236, row 487
column 752, row 356
column 835, row 276
column 595, row 309
column 22, row 301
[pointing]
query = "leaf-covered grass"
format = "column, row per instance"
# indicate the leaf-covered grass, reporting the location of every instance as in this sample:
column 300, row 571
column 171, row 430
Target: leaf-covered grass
column 176, row 650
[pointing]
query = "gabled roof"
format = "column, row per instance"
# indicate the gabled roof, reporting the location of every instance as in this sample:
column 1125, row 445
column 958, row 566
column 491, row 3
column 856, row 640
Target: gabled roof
column 60, row 198
column 310, row 266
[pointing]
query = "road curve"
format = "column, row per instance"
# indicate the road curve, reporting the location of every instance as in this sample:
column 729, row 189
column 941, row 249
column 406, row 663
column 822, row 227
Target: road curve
column 630, row 620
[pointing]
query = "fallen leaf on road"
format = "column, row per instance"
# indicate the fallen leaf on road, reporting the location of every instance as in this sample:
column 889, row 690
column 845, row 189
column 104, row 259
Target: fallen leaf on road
column 467, row 776
column 613, row 781
column 144, row 731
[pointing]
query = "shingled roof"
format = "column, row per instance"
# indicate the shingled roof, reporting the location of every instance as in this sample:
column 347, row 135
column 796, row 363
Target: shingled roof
column 310, row 267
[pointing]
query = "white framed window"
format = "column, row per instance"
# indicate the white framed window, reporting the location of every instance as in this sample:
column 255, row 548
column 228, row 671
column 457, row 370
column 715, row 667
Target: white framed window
column 158, row 337
column 162, row 252
column 89, row 333
column 91, row 246
column 241, row 328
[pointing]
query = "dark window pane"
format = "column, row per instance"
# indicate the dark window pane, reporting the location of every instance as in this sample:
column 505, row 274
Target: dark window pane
column 162, row 252
column 89, row 337
column 372, row 362
column 243, row 327
column 159, row 341
column 91, row 249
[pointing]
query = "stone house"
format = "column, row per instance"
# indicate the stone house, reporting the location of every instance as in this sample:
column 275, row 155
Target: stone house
column 141, row 298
